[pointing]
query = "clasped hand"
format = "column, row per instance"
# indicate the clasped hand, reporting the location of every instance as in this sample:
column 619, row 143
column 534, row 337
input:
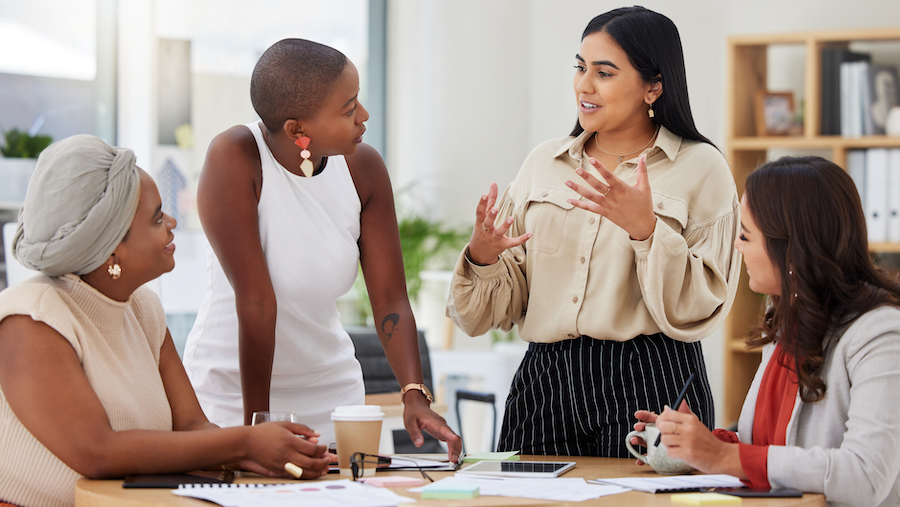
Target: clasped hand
column 271, row 445
column 628, row 206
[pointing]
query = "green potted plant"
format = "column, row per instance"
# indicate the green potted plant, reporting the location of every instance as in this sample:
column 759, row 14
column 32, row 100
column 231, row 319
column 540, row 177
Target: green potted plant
column 426, row 244
column 19, row 144
column 20, row 150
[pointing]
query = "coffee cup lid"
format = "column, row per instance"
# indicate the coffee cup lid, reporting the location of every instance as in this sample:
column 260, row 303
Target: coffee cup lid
column 358, row 413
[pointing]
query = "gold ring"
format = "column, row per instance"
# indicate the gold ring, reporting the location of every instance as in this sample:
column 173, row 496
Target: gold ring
column 608, row 188
column 293, row 469
column 485, row 228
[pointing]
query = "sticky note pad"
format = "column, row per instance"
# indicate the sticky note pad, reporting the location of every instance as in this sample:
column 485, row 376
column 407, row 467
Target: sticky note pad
column 393, row 481
column 491, row 456
column 439, row 491
column 704, row 499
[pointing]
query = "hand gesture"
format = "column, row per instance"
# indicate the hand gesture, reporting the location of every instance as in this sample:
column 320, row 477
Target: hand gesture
column 418, row 416
column 271, row 445
column 629, row 207
column 488, row 241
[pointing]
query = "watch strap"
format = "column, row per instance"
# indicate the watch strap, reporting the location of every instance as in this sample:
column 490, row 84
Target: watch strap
column 417, row 387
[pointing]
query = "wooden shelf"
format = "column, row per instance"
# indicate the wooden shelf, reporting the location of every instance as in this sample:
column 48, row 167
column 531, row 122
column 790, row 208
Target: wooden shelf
column 747, row 73
column 813, row 142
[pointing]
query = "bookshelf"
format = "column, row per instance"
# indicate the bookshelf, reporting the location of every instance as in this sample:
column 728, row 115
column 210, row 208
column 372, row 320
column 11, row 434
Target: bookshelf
column 746, row 74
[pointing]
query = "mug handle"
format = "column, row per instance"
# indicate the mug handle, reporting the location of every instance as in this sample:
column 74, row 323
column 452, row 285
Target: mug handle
column 631, row 449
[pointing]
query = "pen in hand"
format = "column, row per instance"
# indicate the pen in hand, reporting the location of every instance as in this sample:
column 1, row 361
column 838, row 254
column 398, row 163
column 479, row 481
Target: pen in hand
column 677, row 403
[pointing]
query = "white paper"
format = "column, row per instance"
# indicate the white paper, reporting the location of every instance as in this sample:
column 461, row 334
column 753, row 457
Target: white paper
column 312, row 494
column 557, row 489
column 674, row 482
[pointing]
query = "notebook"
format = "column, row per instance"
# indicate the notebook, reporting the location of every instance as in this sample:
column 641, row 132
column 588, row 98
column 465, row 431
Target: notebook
column 675, row 483
column 172, row 481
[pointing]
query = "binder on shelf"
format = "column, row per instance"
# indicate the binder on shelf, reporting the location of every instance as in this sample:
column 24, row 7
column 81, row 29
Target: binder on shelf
column 893, row 190
column 856, row 166
column 876, row 194
column 832, row 58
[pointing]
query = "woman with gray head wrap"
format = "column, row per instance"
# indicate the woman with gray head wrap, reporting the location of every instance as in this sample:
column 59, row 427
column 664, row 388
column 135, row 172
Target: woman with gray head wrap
column 84, row 348
column 79, row 205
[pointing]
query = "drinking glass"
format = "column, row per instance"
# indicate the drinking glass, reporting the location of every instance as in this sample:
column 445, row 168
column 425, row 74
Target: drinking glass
column 264, row 417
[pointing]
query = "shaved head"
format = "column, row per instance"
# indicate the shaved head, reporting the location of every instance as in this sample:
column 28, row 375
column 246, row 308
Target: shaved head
column 292, row 80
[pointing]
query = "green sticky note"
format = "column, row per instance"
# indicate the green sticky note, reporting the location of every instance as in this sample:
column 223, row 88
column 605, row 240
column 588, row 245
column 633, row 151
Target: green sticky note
column 491, row 456
column 437, row 491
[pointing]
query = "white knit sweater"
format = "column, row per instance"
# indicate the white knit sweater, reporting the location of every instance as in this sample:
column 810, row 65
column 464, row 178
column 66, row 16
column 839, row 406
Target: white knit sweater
column 118, row 345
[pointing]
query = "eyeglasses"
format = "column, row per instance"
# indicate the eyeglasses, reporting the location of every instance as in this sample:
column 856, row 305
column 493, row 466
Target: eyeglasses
column 359, row 460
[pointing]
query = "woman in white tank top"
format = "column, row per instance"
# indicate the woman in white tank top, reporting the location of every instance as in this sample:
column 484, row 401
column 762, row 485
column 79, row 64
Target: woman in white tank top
column 290, row 205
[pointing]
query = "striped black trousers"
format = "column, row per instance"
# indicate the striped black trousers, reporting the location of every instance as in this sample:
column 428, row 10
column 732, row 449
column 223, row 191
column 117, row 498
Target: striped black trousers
column 578, row 397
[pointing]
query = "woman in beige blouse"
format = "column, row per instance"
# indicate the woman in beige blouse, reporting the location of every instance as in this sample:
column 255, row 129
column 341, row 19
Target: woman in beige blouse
column 612, row 250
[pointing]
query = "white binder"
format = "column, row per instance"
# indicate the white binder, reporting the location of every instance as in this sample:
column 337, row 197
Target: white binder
column 893, row 198
column 877, row 194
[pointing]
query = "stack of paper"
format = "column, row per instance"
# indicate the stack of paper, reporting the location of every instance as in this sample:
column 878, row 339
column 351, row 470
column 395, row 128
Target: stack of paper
column 559, row 489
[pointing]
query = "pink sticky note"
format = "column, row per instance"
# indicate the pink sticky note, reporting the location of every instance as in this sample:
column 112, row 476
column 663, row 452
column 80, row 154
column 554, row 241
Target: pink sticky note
column 393, row 481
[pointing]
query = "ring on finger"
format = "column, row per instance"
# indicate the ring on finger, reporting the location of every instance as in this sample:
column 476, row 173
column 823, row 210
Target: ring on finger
column 486, row 229
column 608, row 188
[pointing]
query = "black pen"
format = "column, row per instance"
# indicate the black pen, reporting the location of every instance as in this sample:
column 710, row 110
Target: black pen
column 677, row 402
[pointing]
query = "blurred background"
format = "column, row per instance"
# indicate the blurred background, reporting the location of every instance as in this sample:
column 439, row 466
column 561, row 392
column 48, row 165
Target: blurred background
column 458, row 91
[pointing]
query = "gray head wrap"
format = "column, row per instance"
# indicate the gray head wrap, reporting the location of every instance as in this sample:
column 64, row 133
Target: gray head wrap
column 79, row 205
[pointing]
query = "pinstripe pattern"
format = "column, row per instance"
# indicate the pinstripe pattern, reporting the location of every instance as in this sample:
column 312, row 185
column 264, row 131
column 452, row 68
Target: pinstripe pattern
column 578, row 397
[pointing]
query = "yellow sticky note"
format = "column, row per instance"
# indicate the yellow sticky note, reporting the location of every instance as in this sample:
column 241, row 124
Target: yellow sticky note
column 704, row 498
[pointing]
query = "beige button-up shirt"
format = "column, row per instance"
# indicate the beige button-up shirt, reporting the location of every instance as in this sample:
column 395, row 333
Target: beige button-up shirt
column 581, row 274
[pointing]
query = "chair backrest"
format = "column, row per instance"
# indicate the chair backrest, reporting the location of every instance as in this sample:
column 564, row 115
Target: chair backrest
column 15, row 272
column 377, row 374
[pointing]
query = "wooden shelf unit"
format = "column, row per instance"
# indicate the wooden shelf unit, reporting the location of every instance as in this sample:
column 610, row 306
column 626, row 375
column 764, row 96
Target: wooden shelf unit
column 747, row 74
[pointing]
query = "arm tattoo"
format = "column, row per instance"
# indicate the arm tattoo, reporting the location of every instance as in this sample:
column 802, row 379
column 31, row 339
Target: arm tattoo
column 389, row 324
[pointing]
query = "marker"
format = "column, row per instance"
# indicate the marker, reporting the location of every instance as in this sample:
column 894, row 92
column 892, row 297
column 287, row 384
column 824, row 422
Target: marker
column 677, row 403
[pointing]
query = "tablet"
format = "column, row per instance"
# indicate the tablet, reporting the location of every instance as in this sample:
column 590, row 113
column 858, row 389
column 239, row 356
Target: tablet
column 534, row 469
column 757, row 492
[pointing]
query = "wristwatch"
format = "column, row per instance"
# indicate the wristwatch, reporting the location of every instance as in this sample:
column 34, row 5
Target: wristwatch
column 417, row 387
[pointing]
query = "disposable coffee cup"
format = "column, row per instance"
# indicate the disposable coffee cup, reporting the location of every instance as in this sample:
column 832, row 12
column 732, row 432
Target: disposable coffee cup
column 357, row 428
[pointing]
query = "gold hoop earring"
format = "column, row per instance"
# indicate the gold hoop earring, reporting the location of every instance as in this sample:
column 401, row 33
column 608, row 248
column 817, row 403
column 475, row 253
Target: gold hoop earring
column 115, row 271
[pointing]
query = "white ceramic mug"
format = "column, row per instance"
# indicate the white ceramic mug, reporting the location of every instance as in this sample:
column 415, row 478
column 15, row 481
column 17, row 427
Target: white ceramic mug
column 656, row 457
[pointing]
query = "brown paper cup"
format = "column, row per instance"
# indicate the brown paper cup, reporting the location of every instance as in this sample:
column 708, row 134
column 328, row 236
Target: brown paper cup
column 357, row 428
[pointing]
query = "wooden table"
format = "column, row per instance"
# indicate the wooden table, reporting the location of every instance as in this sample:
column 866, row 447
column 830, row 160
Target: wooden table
column 89, row 493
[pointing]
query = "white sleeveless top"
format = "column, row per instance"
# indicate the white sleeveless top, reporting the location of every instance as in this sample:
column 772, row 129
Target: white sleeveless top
column 309, row 229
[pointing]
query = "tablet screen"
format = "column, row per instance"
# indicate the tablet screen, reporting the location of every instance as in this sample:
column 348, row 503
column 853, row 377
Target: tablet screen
column 518, row 468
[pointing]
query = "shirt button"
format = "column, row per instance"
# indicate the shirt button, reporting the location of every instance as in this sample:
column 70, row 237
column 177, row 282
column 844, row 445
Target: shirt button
column 582, row 260
column 660, row 206
column 546, row 194
column 571, row 335
column 591, row 221
column 575, row 299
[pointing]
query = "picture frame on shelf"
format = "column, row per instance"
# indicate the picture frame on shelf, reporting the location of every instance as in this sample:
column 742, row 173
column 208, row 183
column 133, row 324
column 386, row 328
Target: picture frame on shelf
column 774, row 113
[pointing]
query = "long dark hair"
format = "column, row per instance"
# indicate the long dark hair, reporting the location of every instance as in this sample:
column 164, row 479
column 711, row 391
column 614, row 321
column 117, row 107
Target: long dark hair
column 653, row 46
column 810, row 214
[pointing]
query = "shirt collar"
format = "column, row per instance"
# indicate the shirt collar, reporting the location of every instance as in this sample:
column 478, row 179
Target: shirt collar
column 666, row 141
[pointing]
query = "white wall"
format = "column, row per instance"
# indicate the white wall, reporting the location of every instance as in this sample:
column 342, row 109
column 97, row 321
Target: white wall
column 474, row 85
